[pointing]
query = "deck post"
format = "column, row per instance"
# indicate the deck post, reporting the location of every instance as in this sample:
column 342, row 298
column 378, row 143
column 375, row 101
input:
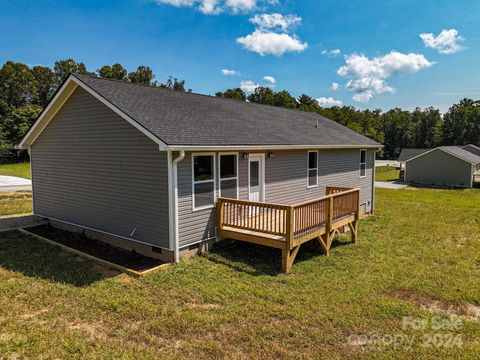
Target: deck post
column 288, row 256
column 354, row 225
column 290, row 227
column 220, row 213
column 327, row 237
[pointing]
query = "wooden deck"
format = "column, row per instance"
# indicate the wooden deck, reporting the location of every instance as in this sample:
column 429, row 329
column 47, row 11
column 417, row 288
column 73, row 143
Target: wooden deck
column 286, row 227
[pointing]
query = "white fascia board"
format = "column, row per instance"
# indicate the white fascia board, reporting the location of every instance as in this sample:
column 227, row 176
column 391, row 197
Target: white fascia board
column 440, row 149
column 47, row 114
column 62, row 96
column 426, row 152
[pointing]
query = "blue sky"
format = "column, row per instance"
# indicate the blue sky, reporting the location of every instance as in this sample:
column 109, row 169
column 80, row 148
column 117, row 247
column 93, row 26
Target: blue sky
column 383, row 62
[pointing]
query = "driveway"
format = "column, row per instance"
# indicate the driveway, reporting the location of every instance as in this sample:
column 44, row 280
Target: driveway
column 390, row 185
column 12, row 184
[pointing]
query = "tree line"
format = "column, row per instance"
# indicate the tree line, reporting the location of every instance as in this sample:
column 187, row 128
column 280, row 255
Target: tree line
column 395, row 129
column 25, row 91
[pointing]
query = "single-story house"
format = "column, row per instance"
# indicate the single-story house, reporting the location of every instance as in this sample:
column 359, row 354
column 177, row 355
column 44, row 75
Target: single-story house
column 148, row 165
column 443, row 166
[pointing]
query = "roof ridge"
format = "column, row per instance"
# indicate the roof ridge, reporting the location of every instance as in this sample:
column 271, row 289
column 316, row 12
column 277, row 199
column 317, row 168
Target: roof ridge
column 465, row 152
column 203, row 95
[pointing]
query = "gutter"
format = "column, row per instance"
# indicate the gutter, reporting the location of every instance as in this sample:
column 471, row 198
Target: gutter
column 269, row 147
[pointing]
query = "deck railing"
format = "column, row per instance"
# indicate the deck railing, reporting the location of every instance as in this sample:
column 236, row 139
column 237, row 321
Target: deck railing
column 310, row 215
column 289, row 221
column 253, row 216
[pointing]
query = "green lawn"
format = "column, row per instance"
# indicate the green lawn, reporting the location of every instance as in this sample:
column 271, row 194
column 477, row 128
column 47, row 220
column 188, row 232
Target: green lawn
column 21, row 170
column 15, row 203
column 386, row 173
column 418, row 257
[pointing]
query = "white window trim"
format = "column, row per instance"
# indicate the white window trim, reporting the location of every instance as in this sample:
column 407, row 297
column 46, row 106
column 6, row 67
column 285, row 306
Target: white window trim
column 214, row 180
column 308, row 170
column 360, row 164
column 220, row 172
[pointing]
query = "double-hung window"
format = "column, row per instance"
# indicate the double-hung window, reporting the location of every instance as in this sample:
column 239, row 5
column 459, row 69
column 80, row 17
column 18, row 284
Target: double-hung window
column 229, row 176
column 203, row 184
column 363, row 163
column 312, row 169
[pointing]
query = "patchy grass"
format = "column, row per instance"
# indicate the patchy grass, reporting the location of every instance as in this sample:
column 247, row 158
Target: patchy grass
column 19, row 202
column 417, row 257
column 386, row 173
column 20, row 169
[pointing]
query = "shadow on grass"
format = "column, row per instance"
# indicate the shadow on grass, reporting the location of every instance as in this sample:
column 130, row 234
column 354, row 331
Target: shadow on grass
column 436, row 187
column 262, row 260
column 34, row 258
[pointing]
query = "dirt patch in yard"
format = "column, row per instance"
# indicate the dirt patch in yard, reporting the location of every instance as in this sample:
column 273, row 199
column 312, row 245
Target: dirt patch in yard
column 465, row 311
column 78, row 241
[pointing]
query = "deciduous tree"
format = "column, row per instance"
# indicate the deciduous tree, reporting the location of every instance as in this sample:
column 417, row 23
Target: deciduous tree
column 236, row 94
column 116, row 72
column 143, row 75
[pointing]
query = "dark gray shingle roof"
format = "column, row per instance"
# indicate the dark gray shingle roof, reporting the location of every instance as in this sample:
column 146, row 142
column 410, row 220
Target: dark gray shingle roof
column 462, row 154
column 186, row 119
column 472, row 148
column 408, row 153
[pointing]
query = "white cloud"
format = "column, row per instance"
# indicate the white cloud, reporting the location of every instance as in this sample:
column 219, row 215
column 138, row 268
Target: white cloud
column 210, row 7
column 229, row 72
column 335, row 86
column 447, row 42
column 213, row 7
column 270, row 79
column 367, row 77
column 177, row 3
column 328, row 102
column 265, row 43
column 332, row 53
column 248, row 86
column 275, row 21
column 241, row 5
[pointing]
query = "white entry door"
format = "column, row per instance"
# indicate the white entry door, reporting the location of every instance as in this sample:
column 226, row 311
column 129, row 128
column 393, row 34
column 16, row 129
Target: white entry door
column 256, row 181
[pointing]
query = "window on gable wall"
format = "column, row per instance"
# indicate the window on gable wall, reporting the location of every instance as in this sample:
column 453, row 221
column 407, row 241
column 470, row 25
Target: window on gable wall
column 228, row 176
column 363, row 163
column 203, row 181
column 312, row 170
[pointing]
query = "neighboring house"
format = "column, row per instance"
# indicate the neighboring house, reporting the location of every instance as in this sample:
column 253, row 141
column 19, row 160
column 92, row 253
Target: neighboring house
column 147, row 165
column 408, row 153
column 443, row 166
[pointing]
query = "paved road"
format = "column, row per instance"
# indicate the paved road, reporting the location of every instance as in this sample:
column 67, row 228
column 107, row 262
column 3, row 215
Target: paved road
column 390, row 185
column 12, row 184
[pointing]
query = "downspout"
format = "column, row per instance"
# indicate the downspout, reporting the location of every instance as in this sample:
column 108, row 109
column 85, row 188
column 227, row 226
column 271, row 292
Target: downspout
column 31, row 177
column 175, row 205
column 473, row 175
column 372, row 208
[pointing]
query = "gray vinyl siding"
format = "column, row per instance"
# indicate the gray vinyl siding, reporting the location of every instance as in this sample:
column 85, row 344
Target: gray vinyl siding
column 439, row 168
column 285, row 183
column 92, row 168
column 286, row 175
